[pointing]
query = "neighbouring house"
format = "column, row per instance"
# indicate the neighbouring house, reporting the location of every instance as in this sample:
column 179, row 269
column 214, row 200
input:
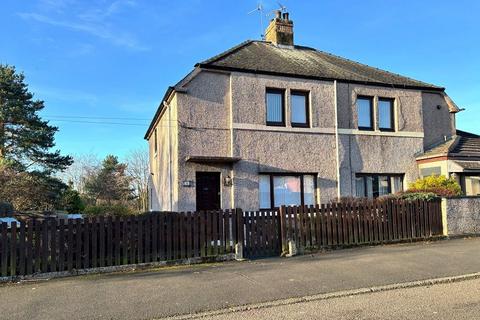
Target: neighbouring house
column 459, row 157
column 269, row 122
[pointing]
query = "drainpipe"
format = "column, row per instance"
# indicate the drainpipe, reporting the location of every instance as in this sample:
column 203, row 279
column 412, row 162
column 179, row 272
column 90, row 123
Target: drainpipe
column 232, row 171
column 337, row 143
column 170, row 173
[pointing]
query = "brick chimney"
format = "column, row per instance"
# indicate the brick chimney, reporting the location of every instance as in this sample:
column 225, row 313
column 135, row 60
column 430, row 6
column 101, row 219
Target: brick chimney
column 280, row 30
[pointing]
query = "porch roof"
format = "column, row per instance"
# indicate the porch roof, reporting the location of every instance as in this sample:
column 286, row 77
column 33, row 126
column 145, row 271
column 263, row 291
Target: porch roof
column 212, row 159
column 468, row 166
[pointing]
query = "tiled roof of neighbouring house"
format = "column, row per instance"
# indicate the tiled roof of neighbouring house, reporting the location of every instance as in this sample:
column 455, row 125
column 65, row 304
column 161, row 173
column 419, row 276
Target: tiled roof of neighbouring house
column 298, row 61
column 462, row 145
column 439, row 149
column 467, row 145
column 469, row 165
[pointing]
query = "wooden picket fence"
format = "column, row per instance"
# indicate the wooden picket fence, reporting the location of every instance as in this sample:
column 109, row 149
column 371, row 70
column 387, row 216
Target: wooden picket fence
column 357, row 223
column 40, row 246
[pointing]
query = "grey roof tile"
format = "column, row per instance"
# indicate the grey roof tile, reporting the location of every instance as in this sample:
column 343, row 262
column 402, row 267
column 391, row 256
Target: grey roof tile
column 299, row 61
column 469, row 165
column 467, row 146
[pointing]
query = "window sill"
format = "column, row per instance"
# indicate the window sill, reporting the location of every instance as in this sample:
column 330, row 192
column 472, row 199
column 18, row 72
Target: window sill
column 365, row 129
column 300, row 125
column 275, row 124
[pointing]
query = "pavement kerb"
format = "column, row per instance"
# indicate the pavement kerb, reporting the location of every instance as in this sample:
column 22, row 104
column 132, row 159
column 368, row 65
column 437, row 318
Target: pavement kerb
column 325, row 296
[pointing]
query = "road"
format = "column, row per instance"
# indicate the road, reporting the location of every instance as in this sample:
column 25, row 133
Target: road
column 185, row 290
column 455, row 301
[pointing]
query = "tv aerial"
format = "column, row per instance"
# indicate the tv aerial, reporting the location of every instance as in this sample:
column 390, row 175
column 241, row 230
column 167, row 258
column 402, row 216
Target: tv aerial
column 282, row 8
column 260, row 9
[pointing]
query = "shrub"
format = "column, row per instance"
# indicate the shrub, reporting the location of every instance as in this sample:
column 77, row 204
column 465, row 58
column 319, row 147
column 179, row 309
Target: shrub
column 438, row 185
column 108, row 210
column 412, row 196
column 344, row 200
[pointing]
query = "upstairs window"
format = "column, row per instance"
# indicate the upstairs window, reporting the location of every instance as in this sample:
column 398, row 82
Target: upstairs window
column 299, row 109
column 386, row 117
column 375, row 185
column 275, row 107
column 365, row 113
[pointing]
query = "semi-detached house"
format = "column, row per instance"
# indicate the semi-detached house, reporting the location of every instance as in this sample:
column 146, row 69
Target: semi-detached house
column 269, row 122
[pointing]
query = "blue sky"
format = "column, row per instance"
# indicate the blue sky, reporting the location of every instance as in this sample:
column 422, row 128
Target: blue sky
column 92, row 60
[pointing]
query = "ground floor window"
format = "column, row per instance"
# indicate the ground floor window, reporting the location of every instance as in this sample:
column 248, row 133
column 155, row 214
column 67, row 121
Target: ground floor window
column 376, row 185
column 276, row 190
column 471, row 184
column 431, row 171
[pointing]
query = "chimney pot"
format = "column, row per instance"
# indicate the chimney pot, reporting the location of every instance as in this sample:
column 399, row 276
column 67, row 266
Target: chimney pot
column 280, row 30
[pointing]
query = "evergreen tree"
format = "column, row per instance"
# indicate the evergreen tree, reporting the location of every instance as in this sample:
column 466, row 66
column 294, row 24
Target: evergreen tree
column 71, row 200
column 25, row 139
column 109, row 184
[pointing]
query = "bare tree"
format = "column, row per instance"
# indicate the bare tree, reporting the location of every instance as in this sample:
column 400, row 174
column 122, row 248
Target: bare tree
column 83, row 166
column 138, row 169
column 88, row 166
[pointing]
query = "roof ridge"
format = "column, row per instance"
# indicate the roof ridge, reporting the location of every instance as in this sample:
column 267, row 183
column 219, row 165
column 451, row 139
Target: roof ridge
column 467, row 134
column 296, row 46
column 454, row 144
column 225, row 53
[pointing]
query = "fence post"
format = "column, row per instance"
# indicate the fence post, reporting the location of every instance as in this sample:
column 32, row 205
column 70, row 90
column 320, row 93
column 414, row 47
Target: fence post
column 13, row 251
column 239, row 246
column 443, row 213
column 4, row 249
column 240, row 225
column 283, row 229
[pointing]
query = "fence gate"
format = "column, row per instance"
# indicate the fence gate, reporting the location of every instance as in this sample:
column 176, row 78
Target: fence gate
column 262, row 234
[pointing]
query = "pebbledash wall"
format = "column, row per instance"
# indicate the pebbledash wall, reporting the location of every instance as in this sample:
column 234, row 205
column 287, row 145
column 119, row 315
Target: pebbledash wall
column 223, row 114
column 462, row 214
column 377, row 151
